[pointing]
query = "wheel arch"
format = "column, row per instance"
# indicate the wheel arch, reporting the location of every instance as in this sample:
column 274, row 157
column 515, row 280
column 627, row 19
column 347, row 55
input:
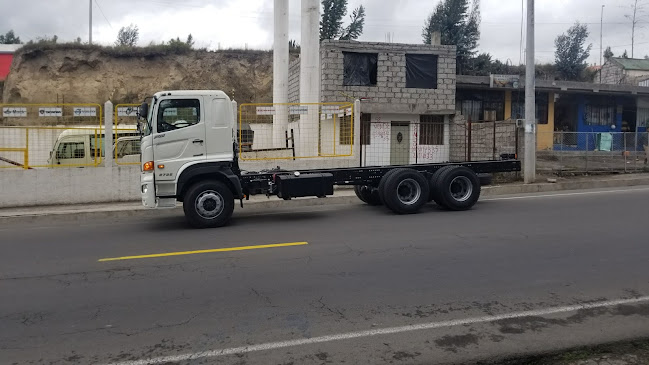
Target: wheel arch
column 209, row 171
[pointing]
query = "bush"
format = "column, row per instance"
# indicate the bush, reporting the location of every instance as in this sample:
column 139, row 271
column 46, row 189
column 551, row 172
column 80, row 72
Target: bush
column 150, row 51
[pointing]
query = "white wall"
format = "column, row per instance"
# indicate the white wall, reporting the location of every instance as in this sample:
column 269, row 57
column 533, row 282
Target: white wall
column 377, row 153
column 41, row 142
column 19, row 188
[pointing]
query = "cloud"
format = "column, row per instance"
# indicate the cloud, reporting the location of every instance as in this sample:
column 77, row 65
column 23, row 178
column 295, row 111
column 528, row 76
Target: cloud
column 227, row 23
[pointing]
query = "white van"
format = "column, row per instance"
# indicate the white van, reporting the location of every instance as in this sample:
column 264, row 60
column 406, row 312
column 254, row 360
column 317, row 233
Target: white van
column 85, row 147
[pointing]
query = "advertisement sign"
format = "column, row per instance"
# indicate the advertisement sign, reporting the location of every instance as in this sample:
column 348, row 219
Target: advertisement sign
column 50, row 112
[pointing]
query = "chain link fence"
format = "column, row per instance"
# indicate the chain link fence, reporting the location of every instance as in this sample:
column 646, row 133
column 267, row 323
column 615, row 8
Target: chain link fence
column 587, row 152
column 295, row 131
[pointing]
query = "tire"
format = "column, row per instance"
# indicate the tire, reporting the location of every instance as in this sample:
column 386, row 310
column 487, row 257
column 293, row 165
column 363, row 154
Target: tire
column 384, row 179
column 368, row 194
column 458, row 188
column 434, row 190
column 361, row 192
column 405, row 191
column 208, row 204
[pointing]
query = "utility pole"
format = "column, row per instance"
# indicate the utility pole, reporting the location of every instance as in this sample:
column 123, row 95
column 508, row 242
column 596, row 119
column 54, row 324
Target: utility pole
column 601, row 31
column 90, row 22
column 529, row 169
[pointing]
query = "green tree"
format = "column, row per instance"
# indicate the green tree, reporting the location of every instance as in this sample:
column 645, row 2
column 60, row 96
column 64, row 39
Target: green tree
column 331, row 22
column 625, row 54
column 190, row 40
column 355, row 27
column 128, row 36
column 571, row 52
column 9, row 38
column 459, row 25
column 608, row 53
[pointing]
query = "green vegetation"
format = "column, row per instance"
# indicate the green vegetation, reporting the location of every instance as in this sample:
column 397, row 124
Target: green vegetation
column 459, row 25
column 331, row 21
column 571, row 53
column 9, row 38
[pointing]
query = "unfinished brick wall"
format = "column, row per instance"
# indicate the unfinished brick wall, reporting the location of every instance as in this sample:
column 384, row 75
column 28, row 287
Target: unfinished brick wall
column 294, row 81
column 483, row 146
column 390, row 94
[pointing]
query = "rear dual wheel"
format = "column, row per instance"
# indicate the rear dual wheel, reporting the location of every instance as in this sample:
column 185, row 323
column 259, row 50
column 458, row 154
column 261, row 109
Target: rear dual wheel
column 455, row 188
column 404, row 191
column 368, row 194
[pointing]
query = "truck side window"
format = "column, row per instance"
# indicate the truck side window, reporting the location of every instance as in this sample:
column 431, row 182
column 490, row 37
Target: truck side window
column 71, row 150
column 178, row 113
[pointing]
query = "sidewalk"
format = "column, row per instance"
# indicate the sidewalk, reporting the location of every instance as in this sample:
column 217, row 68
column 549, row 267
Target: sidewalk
column 342, row 196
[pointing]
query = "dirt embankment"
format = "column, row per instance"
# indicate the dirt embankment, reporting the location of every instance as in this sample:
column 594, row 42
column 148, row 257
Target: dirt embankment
column 95, row 75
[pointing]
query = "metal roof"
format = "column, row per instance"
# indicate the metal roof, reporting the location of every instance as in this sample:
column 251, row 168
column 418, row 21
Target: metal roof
column 482, row 82
column 633, row 63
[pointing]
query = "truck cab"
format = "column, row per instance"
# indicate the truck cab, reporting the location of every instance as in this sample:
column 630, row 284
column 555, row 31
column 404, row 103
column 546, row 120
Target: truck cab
column 187, row 134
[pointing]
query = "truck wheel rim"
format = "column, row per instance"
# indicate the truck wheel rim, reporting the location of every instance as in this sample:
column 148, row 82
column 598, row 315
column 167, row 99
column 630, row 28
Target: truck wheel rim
column 461, row 188
column 408, row 191
column 209, row 204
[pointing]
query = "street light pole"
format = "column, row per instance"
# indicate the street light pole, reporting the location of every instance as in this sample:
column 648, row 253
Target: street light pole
column 90, row 22
column 529, row 169
column 601, row 31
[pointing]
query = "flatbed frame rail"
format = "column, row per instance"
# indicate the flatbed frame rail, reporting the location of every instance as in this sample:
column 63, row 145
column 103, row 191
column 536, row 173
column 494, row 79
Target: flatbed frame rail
column 371, row 175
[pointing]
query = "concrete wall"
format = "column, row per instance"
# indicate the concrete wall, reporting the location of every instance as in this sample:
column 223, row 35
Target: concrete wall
column 20, row 188
column 390, row 95
column 612, row 73
column 482, row 140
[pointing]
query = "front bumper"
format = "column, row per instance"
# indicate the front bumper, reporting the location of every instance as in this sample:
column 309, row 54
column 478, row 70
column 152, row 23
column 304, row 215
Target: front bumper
column 147, row 190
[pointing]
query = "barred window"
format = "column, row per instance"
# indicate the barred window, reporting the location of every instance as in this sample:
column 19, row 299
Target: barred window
column 518, row 107
column 601, row 115
column 346, row 130
column 643, row 117
column 431, row 130
column 366, row 128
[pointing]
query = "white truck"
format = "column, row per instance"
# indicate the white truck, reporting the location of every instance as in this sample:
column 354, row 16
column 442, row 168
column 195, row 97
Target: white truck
column 82, row 147
column 189, row 155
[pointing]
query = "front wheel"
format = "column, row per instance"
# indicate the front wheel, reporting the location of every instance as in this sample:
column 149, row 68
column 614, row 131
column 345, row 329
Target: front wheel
column 208, row 204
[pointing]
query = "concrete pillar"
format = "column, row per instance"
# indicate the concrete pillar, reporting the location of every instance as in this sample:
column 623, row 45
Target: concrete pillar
column 280, row 73
column 310, row 77
column 108, row 134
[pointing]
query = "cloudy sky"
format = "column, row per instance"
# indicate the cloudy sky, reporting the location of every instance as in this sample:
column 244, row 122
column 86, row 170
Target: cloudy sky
column 248, row 23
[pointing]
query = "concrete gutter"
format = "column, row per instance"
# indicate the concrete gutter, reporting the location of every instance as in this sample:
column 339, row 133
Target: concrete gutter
column 261, row 203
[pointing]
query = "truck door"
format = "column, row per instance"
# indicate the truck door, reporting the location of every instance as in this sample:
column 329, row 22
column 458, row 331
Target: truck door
column 180, row 135
column 220, row 124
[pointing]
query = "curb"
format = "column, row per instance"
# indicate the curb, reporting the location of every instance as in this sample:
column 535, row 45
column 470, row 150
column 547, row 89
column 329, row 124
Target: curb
column 342, row 197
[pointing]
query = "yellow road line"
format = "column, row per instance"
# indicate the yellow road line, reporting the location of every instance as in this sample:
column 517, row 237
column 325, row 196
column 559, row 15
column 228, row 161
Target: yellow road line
column 243, row 248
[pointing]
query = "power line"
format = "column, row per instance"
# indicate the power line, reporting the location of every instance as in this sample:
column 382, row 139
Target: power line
column 104, row 15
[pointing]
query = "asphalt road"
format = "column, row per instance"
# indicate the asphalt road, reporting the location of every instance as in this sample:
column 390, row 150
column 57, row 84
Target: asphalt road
column 515, row 275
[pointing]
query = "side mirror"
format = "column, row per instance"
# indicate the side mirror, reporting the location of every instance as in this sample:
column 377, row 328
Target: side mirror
column 143, row 110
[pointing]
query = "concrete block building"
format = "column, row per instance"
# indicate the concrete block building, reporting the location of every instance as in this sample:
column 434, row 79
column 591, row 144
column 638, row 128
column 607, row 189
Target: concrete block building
column 625, row 71
column 407, row 93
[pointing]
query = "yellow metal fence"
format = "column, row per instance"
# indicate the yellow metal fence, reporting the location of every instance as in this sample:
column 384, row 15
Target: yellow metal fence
column 127, row 149
column 295, row 131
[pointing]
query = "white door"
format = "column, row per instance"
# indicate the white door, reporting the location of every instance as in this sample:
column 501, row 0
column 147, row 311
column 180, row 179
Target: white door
column 179, row 136
column 220, row 127
column 400, row 143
